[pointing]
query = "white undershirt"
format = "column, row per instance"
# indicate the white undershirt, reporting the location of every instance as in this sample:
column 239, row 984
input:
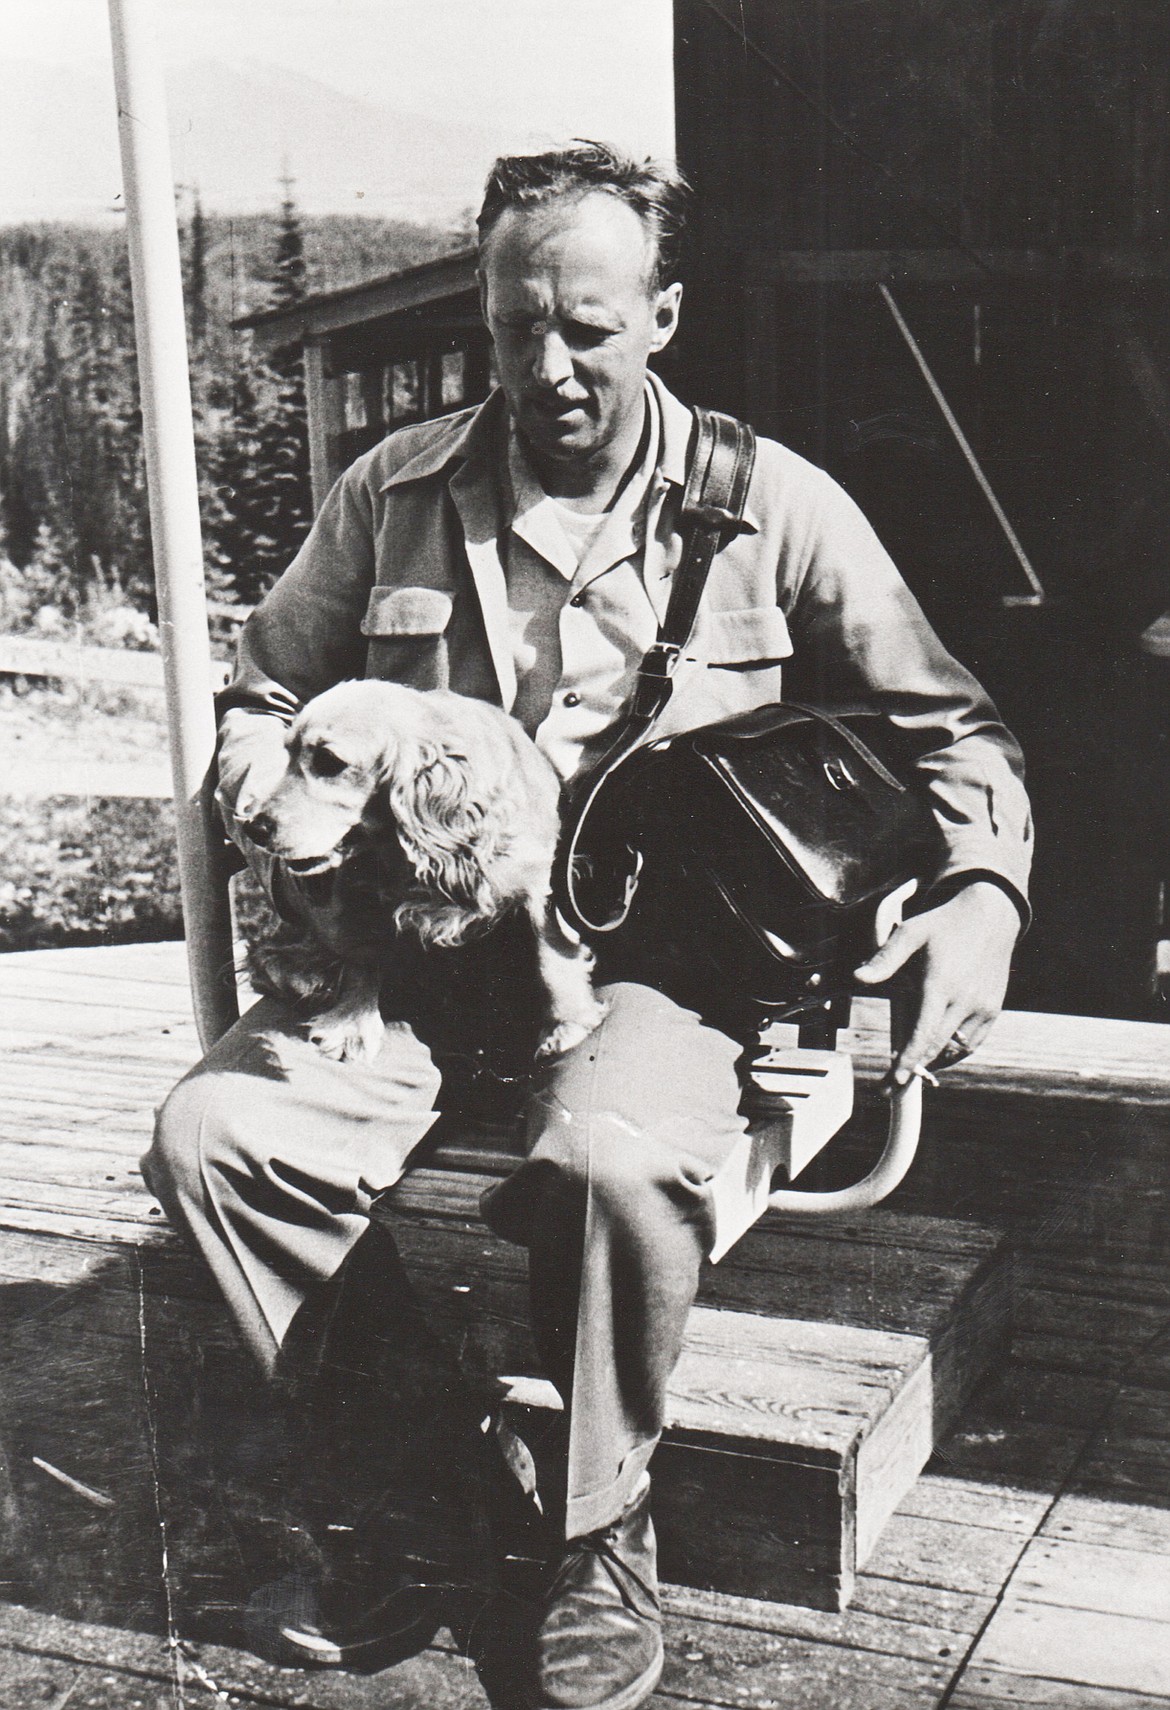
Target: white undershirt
column 581, row 527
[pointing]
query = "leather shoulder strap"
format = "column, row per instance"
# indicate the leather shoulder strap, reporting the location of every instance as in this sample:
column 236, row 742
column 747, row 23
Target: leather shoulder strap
column 721, row 459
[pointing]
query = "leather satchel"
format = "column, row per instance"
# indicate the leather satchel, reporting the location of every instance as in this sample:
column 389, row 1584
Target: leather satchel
column 761, row 848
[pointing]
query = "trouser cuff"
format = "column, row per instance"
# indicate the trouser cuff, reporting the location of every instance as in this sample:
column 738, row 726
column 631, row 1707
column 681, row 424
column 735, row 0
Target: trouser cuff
column 600, row 1508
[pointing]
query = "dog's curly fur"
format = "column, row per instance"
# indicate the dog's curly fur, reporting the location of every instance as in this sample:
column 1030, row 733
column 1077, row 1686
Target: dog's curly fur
column 422, row 810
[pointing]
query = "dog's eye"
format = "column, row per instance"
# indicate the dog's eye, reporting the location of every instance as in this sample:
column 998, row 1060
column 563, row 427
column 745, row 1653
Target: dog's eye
column 325, row 764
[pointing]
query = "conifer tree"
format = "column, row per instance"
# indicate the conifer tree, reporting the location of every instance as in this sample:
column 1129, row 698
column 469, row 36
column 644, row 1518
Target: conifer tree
column 287, row 279
column 239, row 552
column 197, row 272
column 282, row 507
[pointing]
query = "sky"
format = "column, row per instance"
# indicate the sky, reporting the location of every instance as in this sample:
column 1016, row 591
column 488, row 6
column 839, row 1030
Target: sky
column 525, row 71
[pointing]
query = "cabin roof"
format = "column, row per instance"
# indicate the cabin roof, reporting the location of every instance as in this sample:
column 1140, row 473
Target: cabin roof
column 323, row 312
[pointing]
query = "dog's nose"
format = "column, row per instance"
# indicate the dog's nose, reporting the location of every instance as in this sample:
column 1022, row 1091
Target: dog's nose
column 259, row 829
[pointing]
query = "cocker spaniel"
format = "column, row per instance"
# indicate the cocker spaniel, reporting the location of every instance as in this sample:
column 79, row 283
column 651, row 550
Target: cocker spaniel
column 459, row 811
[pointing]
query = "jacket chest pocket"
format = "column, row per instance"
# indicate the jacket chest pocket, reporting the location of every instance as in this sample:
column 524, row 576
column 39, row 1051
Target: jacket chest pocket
column 753, row 638
column 406, row 629
column 734, row 664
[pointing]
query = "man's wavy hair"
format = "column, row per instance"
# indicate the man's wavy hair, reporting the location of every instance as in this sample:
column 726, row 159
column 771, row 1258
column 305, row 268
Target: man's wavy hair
column 657, row 193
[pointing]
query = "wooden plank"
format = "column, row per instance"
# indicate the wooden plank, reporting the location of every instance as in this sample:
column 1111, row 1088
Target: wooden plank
column 814, row 1351
column 131, row 1205
column 156, row 1673
column 48, row 1143
column 891, row 1455
column 88, row 778
column 1125, row 1652
column 942, row 265
column 1108, row 1580
column 722, row 1664
column 943, row 1553
column 47, row 1259
column 30, row 1024
column 931, row 1605
column 971, row 1503
column 21, row 1112
column 856, row 1628
column 28, row 656
column 39, row 1218
column 775, row 1526
column 889, row 1270
column 58, row 1065
column 751, row 1378
column 66, row 992
column 763, row 1380
column 985, row 1689
column 69, row 1158
column 1027, row 1051
column 159, row 960
column 326, row 421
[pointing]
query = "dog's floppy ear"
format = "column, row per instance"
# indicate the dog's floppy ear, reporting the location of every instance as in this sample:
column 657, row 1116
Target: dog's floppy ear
column 445, row 829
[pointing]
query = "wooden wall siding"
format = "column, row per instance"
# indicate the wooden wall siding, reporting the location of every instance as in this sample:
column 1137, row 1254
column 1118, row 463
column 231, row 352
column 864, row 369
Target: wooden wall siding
column 1012, row 122
column 1004, row 169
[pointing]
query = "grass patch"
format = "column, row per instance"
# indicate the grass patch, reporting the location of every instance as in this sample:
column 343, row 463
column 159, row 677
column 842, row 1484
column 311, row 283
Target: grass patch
column 96, row 871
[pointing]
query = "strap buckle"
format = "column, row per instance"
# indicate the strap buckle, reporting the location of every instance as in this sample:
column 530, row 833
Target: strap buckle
column 652, row 687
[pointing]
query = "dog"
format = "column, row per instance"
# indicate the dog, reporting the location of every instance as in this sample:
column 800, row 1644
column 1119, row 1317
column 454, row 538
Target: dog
column 443, row 816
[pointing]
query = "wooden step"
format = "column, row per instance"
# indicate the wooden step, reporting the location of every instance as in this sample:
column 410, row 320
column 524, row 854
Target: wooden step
column 851, row 1344
column 822, row 1364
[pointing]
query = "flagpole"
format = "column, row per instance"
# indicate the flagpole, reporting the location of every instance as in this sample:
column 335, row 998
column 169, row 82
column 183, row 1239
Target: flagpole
column 165, row 384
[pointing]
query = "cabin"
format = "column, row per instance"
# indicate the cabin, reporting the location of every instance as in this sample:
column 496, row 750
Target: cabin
column 917, row 1456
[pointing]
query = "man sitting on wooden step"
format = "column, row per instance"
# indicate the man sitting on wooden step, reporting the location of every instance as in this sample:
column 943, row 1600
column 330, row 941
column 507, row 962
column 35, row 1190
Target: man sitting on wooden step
column 549, row 519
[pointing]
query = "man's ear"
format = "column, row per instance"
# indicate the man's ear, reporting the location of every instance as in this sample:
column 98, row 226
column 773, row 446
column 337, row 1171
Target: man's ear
column 667, row 306
column 481, row 284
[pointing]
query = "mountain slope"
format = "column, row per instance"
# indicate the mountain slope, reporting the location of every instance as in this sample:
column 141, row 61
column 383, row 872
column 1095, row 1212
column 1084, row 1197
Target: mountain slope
column 235, row 130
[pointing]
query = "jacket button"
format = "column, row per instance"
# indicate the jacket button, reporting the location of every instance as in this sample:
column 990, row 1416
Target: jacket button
column 572, row 698
column 577, row 600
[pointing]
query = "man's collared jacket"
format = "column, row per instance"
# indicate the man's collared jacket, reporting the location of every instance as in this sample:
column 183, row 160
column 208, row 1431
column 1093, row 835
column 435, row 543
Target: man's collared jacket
column 804, row 598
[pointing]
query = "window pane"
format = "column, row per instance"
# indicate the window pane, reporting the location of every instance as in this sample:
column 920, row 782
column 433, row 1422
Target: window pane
column 402, row 391
column 355, row 404
column 454, row 385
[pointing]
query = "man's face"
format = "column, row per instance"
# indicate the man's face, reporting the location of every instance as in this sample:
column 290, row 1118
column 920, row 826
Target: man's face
column 567, row 301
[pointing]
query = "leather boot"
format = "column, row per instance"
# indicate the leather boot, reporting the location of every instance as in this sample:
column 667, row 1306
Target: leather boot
column 599, row 1645
column 413, row 1494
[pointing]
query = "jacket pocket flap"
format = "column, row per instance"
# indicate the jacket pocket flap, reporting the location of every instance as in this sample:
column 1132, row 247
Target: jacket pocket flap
column 407, row 612
column 754, row 635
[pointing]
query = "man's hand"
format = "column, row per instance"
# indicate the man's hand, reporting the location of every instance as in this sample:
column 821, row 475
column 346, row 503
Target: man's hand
column 964, row 948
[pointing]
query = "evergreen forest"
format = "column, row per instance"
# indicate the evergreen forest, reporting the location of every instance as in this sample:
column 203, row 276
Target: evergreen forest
column 74, row 526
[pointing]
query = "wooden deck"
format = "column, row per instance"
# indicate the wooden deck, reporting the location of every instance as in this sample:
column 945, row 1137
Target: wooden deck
column 1028, row 1566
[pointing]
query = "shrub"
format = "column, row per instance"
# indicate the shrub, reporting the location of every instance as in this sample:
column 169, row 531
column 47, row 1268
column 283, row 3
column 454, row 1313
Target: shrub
column 102, row 871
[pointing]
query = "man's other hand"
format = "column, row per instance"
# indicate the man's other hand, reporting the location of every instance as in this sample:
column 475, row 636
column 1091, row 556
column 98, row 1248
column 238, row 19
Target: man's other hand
column 964, row 951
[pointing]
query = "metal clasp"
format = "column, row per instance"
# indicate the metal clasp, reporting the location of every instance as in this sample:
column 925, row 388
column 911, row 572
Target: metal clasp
column 839, row 775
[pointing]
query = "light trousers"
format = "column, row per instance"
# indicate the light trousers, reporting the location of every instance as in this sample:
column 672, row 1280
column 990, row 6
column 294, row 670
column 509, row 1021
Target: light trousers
column 268, row 1155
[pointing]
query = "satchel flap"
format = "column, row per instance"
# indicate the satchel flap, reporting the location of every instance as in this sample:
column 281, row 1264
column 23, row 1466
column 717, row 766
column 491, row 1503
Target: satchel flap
column 844, row 826
column 405, row 612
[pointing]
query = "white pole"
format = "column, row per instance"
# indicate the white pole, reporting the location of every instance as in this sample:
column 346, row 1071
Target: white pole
column 161, row 334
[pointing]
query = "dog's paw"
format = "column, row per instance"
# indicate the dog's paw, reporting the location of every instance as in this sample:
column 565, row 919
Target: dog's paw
column 348, row 1037
column 570, row 1032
